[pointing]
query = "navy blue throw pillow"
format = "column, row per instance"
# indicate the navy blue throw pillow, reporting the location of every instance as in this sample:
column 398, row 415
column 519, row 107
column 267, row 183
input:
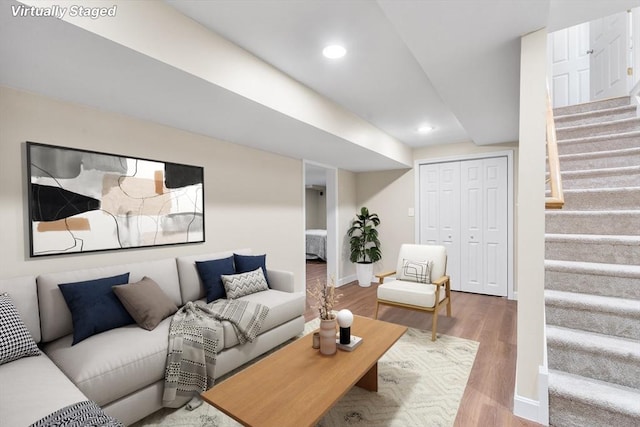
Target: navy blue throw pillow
column 247, row 263
column 94, row 306
column 210, row 272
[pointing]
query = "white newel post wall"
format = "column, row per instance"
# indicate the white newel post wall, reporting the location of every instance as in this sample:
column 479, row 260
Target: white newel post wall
column 531, row 227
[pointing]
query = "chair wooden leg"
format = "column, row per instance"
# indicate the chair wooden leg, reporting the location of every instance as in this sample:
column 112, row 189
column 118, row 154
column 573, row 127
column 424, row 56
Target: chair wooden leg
column 377, row 307
column 449, row 307
column 435, row 325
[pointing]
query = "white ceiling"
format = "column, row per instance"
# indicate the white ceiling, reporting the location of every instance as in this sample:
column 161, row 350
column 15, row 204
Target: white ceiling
column 452, row 64
column 379, row 79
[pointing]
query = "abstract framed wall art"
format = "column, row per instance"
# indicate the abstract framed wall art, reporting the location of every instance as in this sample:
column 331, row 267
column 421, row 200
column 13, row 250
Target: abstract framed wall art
column 85, row 201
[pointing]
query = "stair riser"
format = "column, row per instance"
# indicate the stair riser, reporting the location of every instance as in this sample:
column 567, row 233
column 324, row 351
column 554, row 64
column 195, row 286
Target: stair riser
column 592, row 106
column 565, row 412
column 620, row 223
column 609, row 253
column 614, row 179
column 599, row 201
column 589, row 146
column 609, row 286
column 601, row 129
column 612, row 161
column 607, row 367
column 600, row 322
column 567, row 121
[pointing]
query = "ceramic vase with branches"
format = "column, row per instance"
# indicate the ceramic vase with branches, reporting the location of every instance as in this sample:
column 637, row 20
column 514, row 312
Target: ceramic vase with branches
column 325, row 297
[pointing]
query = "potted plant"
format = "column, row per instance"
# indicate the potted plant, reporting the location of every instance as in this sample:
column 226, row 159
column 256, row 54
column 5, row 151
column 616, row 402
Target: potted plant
column 365, row 246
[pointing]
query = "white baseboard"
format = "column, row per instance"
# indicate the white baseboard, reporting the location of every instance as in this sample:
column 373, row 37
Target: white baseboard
column 526, row 408
column 347, row 279
column 543, row 394
column 534, row 410
column 352, row 278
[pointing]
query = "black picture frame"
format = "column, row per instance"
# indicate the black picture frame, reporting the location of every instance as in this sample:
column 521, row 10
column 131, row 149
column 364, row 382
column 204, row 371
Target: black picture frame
column 83, row 201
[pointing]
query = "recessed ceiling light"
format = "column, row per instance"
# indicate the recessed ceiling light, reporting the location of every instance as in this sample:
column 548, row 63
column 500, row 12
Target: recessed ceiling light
column 425, row 129
column 334, row 51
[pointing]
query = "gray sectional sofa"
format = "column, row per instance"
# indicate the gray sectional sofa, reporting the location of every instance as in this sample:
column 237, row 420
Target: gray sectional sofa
column 122, row 369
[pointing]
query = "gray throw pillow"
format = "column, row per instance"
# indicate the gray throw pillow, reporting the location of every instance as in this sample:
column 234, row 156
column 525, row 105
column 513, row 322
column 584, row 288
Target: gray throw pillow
column 146, row 302
column 15, row 340
column 239, row 285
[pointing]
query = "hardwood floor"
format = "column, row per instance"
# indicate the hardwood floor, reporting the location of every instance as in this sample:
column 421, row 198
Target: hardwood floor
column 488, row 398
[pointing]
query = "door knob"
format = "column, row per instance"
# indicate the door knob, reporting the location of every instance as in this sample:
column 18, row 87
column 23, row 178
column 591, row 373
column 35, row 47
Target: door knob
column 590, row 52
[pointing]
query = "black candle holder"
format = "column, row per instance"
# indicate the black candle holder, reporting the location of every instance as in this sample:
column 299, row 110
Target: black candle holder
column 345, row 335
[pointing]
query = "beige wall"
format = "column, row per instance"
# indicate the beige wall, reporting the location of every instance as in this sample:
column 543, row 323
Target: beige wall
column 346, row 211
column 253, row 198
column 389, row 194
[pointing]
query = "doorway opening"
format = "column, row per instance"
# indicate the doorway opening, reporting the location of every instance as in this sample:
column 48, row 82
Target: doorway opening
column 594, row 60
column 320, row 211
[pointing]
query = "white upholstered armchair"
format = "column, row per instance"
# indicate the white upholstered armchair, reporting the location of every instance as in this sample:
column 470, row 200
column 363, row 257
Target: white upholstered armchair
column 420, row 282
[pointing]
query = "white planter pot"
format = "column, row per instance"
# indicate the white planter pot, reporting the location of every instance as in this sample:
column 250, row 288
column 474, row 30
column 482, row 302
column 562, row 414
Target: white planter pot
column 365, row 274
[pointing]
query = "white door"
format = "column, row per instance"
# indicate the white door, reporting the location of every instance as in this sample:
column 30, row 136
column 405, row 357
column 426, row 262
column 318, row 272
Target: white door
column 610, row 45
column 484, row 226
column 449, row 213
column 569, row 58
column 471, row 225
column 495, row 230
column 440, row 212
column 429, row 201
column 464, row 206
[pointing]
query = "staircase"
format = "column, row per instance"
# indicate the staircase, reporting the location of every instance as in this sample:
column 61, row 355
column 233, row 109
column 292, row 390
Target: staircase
column 592, row 268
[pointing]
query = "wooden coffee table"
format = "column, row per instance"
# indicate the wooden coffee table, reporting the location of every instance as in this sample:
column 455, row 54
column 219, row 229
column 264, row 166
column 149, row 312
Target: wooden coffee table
column 296, row 385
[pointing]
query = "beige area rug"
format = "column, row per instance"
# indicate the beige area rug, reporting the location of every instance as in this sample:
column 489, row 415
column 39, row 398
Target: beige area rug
column 420, row 382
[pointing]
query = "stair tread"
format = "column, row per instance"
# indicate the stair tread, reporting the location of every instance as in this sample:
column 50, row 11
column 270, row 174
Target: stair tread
column 596, row 138
column 596, row 268
column 593, row 238
column 594, row 342
column 597, row 125
column 592, row 113
column 595, row 105
column 595, row 392
column 605, row 269
column 598, row 154
column 585, row 198
column 602, row 190
column 593, row 302
column 627, row 212
column 601, row 171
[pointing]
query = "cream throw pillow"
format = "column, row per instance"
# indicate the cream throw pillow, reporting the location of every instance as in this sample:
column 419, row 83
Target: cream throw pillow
column 416, row 271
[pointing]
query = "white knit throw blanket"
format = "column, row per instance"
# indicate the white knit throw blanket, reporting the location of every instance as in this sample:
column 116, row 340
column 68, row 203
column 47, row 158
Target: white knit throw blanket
column 195, row 338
